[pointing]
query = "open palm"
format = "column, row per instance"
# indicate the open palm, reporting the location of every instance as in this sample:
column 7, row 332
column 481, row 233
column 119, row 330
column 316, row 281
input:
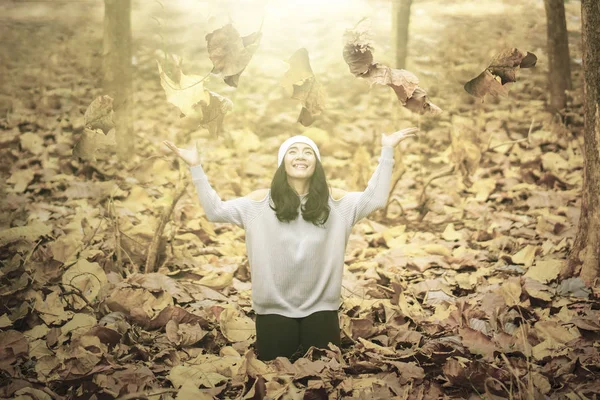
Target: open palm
column 394, row 138
column 191, row 157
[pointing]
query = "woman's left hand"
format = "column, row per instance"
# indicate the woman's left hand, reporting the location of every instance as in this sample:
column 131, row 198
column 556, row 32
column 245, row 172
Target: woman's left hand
column 394, row 138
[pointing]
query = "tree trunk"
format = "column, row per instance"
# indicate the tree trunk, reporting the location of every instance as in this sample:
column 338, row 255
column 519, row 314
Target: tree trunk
column 117, row 74
column 584, row 259
column 559, row 77
column 400, row 21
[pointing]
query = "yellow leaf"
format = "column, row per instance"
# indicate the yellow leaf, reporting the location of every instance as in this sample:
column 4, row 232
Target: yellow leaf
column 377, row 348
column 442, row 312
column 450, row 234
column 525, row 255
column 186, row 93
column 554, row 163
column 552, row 330
column 189, row 390
column 549, row 348
column 511, row 291
column 217, row 279
column 545, row 270
column 29, row 232
column 32, row 142
column 483, row 188
column 5, row 321
column 21, row 178
column 390, row 235
column 438, row 249
column 88, row 277
column 299, row 71
column 235, row 326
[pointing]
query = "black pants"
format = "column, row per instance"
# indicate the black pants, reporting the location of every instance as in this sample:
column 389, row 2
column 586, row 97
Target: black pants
column 279, row 336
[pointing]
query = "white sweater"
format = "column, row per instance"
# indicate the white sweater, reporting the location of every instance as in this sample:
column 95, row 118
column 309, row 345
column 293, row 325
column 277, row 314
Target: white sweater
column 296, row 267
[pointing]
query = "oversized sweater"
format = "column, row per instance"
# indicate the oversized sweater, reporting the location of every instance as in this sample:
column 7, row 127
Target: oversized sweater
column 296, row 267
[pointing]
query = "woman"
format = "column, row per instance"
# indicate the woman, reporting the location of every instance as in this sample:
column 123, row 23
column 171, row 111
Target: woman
column 296, row 263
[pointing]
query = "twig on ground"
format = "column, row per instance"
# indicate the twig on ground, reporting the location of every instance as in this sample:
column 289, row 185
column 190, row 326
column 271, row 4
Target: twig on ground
column 146, row 395
column 75, row 291
column 115, row 220
column 153, row 249
column 423, row 197
column 512, row 142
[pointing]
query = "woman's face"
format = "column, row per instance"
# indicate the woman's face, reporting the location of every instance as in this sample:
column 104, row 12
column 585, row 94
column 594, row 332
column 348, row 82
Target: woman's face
column 300, row 161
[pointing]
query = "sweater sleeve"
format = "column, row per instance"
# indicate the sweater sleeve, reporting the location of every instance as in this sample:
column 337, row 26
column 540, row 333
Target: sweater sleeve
column 240, row 211
column 354, row 206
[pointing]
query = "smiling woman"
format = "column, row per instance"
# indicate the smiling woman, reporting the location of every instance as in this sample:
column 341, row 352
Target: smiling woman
column 297, row 263
column 300, row 173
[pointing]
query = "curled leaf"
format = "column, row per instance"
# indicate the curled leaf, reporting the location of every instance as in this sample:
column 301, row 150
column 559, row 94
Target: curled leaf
column 199, row 106
column 502, row 70
column 185, row 93
column 358, row 54
column 99, row 114
column 231, row 53
column 418, row 103
column 235, row 326
column 403, row 82
column 214, row 112
column 93, row 141
column 301, row 84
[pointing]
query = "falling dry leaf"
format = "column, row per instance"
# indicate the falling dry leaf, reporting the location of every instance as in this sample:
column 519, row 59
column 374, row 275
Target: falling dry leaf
column 231, row 53
column 212, row 114
column 502, row 70
column 199, row 106
column 92, row 142
column 300, row 83
column 185, row 93
column 358, row 54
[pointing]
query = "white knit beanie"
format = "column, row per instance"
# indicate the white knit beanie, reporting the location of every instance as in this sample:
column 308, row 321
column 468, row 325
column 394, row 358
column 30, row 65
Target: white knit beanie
column 296, row 139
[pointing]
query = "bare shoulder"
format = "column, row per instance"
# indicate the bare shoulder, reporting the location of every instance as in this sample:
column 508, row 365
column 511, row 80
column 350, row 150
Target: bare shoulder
column 337, row 194
column 258, row 195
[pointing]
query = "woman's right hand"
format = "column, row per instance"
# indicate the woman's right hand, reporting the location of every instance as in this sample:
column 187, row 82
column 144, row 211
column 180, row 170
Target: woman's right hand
column 191, row 157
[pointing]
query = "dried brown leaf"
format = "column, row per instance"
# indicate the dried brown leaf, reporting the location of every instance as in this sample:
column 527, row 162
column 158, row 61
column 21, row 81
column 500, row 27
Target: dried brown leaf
column 230, row 53
column 502, row 70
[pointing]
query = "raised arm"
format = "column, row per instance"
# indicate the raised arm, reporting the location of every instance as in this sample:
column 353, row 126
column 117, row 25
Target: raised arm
column 355, row 206
column 238, row 211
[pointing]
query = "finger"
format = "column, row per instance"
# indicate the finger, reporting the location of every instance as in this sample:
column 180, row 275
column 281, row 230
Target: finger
column 404, row 131
column 172, row 148
column 409, row 130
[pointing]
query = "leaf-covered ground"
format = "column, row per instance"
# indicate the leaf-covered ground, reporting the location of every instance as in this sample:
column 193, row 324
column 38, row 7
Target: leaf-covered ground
column 450, row 292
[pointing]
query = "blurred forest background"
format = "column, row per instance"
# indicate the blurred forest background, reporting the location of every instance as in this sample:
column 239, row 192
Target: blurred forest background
column 468, row 284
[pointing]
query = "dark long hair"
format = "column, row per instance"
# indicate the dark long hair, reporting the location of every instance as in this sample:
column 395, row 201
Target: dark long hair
column 315, row 210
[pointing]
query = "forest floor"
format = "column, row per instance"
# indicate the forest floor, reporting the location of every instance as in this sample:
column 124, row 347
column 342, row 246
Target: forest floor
column 451, row 291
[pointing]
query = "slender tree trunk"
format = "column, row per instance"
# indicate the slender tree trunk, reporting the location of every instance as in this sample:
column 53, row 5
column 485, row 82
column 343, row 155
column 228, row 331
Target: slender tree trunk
column 117, row 70
column 400, row 21
column 585, row 255
column 559, row 78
